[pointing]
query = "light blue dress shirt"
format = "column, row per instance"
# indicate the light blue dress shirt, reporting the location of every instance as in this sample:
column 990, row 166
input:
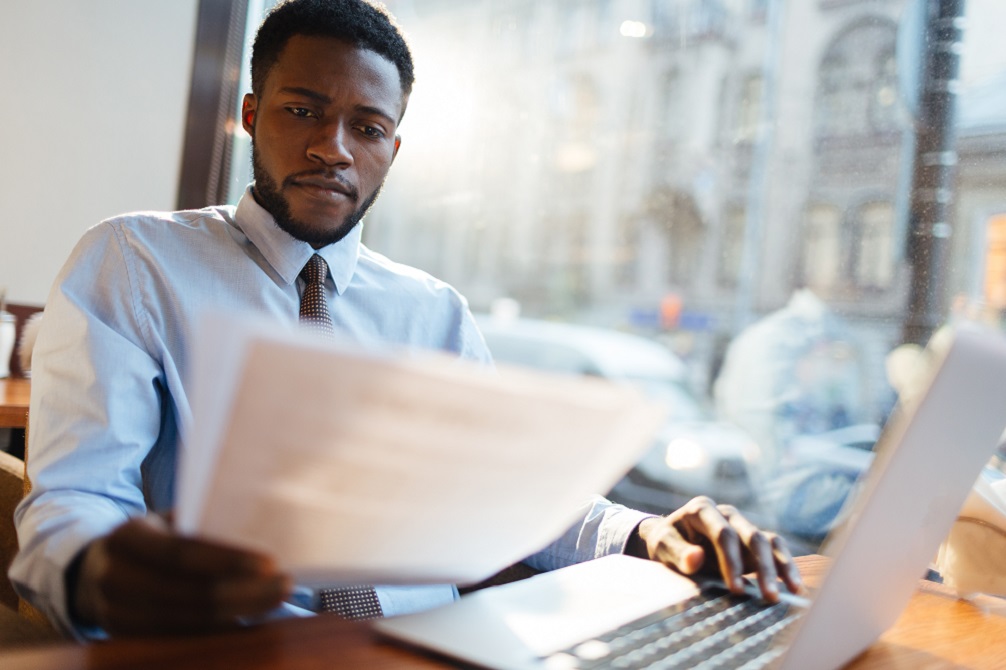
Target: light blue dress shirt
column 111, row 365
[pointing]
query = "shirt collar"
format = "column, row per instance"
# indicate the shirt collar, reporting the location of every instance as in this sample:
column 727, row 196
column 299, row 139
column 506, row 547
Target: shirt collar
column 288, row 255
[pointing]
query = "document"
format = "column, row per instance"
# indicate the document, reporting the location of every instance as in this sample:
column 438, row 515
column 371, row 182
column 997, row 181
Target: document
column 360, row 466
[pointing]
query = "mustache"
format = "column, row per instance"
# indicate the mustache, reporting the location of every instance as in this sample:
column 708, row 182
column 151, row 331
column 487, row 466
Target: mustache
column 323, row 175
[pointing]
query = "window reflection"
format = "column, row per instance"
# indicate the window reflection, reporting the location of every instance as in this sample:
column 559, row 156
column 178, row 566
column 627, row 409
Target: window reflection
column 683, row 169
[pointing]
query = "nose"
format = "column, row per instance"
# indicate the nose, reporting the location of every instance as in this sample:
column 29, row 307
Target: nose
column 330, row 147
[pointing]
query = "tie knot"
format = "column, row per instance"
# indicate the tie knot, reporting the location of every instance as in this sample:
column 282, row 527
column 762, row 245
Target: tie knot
column 314, row 270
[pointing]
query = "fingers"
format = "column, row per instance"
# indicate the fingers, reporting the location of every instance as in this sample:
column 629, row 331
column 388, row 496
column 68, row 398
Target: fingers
column 129, row 608
column 768, row 555
column 230, row 595
column 147, row 543
column 786, row 567
column 725, row 541
column 664, row 543
column 738, row 545
column 698, row 524
column 143, row 579
column 760, row 550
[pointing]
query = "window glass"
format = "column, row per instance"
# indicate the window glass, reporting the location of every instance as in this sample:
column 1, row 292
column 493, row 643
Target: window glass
column 875, row 257
column 823, row 248
column 729, row 180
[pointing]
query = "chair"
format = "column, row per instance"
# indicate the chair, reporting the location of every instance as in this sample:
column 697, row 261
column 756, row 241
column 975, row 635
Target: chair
column 11, row 491
column 21, row 314
column 31, row 626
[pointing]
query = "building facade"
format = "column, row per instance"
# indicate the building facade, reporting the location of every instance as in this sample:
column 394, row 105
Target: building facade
column 678, row 167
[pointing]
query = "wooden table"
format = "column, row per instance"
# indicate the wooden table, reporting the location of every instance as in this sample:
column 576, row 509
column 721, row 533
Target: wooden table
column 936, row 631
column 14, row 395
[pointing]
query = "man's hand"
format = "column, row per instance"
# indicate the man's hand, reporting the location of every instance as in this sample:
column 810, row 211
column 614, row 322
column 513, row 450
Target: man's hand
column 704, row 538
column 144, row 579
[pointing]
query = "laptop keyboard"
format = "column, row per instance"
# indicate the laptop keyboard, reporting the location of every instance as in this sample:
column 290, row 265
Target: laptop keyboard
column 715, row 629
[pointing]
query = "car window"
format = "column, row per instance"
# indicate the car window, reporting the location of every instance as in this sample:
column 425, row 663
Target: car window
column 682, row 405
column 541, row 355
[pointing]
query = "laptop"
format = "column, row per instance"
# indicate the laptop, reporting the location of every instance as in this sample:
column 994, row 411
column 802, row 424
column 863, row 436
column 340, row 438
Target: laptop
column 927, row 461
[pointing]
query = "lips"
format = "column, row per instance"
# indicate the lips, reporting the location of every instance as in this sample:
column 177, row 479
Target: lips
column 326, row 186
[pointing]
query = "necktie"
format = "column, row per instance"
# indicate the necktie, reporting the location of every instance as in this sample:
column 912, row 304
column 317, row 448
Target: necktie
column 355, row 602
column 313, row 302
column 351, row 602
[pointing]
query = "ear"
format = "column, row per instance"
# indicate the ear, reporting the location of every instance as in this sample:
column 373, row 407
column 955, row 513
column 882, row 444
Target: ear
column 398, row 143
column 248, row 106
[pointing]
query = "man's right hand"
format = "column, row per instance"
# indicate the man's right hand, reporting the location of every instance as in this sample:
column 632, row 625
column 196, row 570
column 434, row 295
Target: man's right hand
column 144, row 579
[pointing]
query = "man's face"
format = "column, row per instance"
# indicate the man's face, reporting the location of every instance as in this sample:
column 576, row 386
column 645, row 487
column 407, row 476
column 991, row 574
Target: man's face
column 323, row 136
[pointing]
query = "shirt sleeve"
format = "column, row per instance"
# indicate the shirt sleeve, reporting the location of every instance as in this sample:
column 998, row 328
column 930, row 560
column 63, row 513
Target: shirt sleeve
column 604, row 528
column 95, row 415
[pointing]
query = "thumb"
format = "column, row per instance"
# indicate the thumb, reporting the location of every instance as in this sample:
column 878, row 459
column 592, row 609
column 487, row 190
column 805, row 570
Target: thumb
column 665, row 544
column 691, row 558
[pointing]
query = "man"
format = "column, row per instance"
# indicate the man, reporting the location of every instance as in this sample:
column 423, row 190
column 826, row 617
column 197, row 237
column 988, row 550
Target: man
column 331, row 80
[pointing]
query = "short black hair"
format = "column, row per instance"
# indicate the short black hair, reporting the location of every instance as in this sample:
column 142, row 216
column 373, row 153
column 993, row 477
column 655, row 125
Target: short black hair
column 364, row 24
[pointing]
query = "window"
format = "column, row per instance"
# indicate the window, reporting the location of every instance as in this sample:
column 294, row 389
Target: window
column 749, row 109
column 848, row 253
column 822, row 259
column 682, row 21
column 875, row 246
column 732, row 245
column 857, row 86
column 746, row 169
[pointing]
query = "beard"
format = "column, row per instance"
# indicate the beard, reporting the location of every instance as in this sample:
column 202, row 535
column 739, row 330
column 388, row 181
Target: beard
column 269, row 194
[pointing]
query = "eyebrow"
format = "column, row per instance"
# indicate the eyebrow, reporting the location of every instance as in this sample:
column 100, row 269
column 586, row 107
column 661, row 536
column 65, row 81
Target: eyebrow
column 323, row 99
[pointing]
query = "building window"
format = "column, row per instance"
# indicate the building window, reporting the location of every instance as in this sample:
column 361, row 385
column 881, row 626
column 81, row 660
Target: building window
column 749, row 109
column 857, row 252
column 822, row 251
column 732, row 246
column 671, row 115
column 627, row 251
column 689, row 19
column 677, row 216
column 857, row 88
column 874, row 265
column 884, row 97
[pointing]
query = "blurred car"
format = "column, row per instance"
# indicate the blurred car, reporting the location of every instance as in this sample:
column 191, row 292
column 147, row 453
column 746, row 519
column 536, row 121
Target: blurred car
column 692, row 455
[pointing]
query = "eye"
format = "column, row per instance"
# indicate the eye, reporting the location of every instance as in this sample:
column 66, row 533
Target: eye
column 372, row 132
column 302, row 112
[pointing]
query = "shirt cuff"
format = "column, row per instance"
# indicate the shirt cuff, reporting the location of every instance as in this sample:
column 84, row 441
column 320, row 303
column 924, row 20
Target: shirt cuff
column 615, row 533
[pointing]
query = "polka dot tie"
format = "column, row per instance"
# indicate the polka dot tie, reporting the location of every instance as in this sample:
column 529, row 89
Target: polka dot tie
column 313, row 302
column 356, row 602
column 352, row 602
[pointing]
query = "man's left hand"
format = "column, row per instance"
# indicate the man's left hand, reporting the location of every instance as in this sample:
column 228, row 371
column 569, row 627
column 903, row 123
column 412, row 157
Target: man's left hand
column 702, row 537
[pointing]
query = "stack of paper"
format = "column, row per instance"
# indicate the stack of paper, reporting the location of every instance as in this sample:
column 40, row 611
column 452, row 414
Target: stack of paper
column 362, row 467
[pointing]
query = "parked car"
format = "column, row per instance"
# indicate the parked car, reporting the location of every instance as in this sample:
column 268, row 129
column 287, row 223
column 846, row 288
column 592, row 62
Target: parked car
column 692, row 455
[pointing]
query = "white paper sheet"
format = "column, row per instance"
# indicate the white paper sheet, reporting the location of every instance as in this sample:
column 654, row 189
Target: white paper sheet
column 360, row 467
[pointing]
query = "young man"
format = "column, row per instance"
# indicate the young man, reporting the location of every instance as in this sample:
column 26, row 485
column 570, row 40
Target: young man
column 331, row 81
